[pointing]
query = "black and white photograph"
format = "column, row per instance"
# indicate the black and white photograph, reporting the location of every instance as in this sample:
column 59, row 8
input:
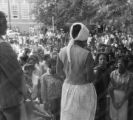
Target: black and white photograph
column 66, row 59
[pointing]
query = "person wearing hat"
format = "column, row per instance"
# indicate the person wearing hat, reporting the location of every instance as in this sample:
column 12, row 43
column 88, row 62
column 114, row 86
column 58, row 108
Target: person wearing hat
column 75, row 64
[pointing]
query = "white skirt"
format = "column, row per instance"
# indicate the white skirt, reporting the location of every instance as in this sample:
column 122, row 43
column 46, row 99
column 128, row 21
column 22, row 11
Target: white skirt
column 119, row 114
column 78, row 102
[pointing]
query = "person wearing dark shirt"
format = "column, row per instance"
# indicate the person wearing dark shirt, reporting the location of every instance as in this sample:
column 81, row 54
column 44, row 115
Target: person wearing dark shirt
column 101, row 84
column 11, row 78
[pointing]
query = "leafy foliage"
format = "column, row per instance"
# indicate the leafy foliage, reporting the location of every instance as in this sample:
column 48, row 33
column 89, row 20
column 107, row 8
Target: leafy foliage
column 113, row 12
column 63, row 11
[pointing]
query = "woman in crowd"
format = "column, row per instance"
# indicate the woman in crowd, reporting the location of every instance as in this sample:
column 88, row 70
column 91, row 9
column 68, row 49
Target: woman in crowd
column 75, row 63
column 51, row 87
column 130, row 69
column 101, row 83
column 120, row 88
column 23, row 57
column 32, row 75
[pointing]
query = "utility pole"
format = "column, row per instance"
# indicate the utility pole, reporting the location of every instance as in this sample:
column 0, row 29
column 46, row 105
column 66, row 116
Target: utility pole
column 53, row 23
column 9, row 14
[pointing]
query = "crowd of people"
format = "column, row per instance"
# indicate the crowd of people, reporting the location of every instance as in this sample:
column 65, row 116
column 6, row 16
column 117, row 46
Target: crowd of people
column 83, row 76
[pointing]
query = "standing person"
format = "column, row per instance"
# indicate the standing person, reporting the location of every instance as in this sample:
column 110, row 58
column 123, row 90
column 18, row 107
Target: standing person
column 51, row 87
column 102, row 78
column 75, row 64
column 11, row 78
column 32, row 74
column 120, row 88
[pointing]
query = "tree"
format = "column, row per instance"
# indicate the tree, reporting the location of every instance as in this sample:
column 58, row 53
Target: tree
column 63, row 11
column 114, row 12
column 44, row 10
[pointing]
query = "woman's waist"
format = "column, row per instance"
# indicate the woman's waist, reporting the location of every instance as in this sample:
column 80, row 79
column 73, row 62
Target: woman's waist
column 77, row 81
column 120, row 89
column 54, row 96
column 54, row 99
column 83, row 89
column 119, row 93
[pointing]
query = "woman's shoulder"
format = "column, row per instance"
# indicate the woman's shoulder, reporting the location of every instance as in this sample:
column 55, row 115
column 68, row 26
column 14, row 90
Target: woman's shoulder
column 57, row 81
column 51, row 79
column 81, row 53
column 63, row 53
column 114, row 73
column 2, row 41
column 5, row 46
column 63, row 50
column 80, row 49
column 130, row 74
column 44, row 75
column 58, row 78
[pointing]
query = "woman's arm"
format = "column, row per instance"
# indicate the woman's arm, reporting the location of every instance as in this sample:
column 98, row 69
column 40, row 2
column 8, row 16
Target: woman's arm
column 97, row 74
column 43, row 90
column 59, row 68
column 111, row 86
column 89, row 68
column 128, row 91
column 111, row 91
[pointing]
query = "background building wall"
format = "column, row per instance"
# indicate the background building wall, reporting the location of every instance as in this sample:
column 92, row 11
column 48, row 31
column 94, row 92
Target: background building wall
column 19, row 13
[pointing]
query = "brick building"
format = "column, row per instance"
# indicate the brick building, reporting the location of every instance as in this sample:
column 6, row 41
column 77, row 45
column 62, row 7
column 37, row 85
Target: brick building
column 19, row 13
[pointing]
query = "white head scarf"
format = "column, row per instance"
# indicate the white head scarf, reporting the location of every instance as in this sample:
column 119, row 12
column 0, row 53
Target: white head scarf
column 82, row 36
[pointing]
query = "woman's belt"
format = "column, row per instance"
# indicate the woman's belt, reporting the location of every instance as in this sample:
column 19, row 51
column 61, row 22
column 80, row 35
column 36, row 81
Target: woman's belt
column 77, row 82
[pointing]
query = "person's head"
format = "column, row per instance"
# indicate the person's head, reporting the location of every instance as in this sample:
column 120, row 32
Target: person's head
column 27, row 51
column 102, row 59
column 31, row 64
column 43, row 61
column 78, row 32
column 3, row 23
column 46, row 57
column 131, row 46
column 113, row 49
column 40, row 54
column 107, row 49
column 23, row 59
column 51, row 65
column 111, row 57
column 101, row 47
column 54, row 55
column 122, row 64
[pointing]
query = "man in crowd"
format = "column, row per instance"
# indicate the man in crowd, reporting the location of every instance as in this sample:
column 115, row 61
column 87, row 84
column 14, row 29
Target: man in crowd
column 11, row 78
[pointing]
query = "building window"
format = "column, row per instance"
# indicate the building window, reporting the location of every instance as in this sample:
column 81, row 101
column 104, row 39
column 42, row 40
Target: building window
column 33, row 17
column 15, row 11
column 25, row 11
column 32, row 7
column 4, row 8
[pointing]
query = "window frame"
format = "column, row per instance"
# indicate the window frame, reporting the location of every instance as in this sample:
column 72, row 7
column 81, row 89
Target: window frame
column 13, row 10
column 25, row 11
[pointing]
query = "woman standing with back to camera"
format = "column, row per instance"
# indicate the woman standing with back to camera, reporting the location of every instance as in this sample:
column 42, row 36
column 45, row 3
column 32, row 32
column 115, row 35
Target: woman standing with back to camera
column 76, row 64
